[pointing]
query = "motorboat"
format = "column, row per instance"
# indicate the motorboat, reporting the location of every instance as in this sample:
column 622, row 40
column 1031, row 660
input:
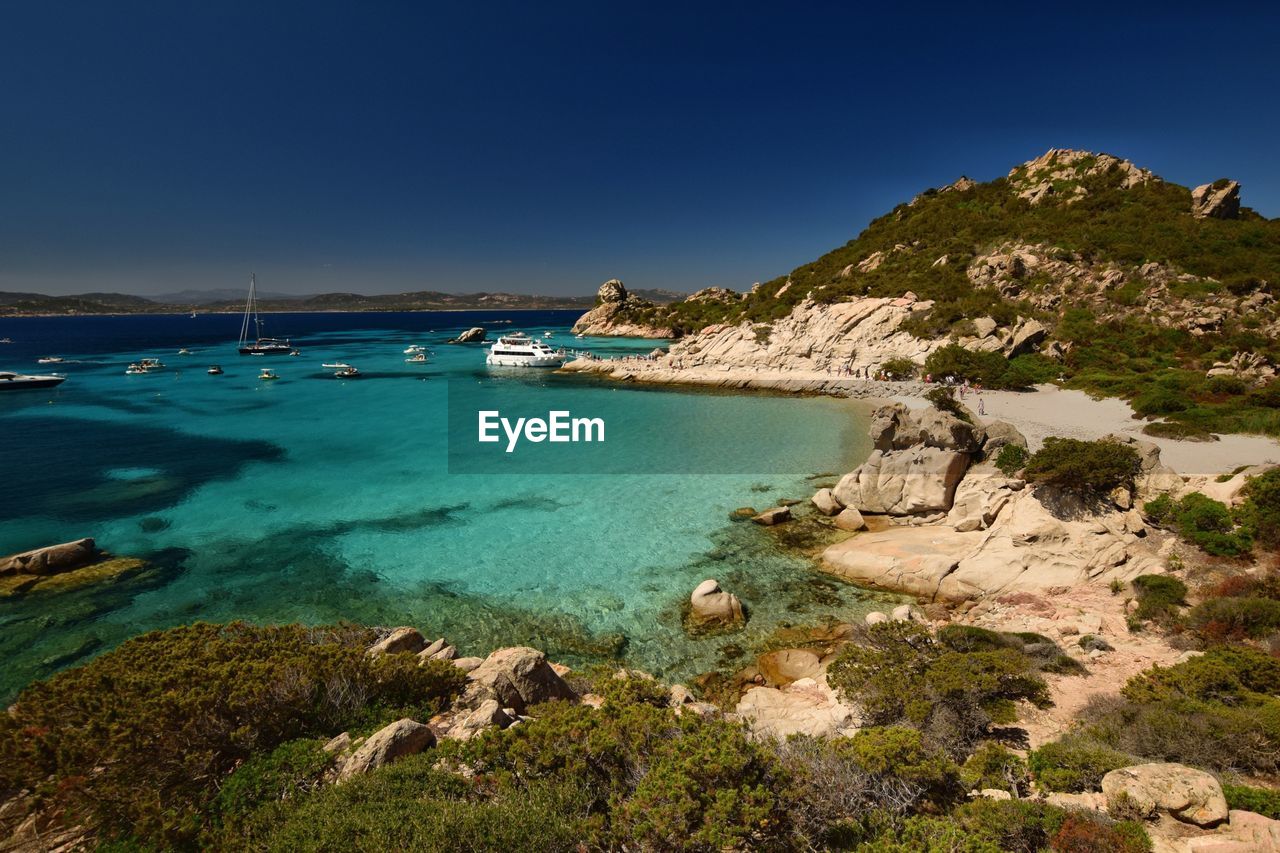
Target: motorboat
column 414, row 348
column 21, row 381
column 135, row 369
column 214, row 370
column 347, row 373
column 184, row 351
column 548, row 334
column 519, row 350
column 296, row 352
column 6, row 341
column 261, row 345
column 579, row 337
column 49, row 359
column 417, row 358
column 335, row 365
column 267, row 373
column 151, row 364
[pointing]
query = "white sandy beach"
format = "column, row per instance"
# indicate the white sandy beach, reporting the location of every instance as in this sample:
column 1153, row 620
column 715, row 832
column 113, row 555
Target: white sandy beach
column 1050, row 410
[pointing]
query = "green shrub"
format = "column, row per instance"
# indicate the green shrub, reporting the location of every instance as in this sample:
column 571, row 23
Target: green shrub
column 286, row 773
column 1228, row 675
column 1088, row 468
column 994, row 766
column 1074, row 764
column 988, row 369
column 1178, row 431
column 900, row 368
column 899, row 675
column 1011, row 459
column 1263, row 801
column 1236, row 617
column 412, row 806
column 944, row 399
column 139, row 739
column 1159, row 596
column 1202, row 521
column 1261, row 508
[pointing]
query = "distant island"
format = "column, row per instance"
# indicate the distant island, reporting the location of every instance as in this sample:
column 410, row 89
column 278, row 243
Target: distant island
column 38, row 304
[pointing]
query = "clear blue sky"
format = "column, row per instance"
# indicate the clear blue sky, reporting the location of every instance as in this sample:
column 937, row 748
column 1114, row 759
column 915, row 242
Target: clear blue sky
column 545, row 147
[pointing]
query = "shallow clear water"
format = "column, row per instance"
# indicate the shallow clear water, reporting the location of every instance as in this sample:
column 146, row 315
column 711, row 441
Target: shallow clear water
column 316, row 499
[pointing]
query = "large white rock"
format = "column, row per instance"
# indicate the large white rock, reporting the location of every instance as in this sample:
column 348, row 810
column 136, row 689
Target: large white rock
column 1189, row 795
column 806, row 706
column 980, row 497
column 917, row 480
column 401, row 738
column 1026, row 548
column 825, row 502
column 516, row 677
column 51, row 559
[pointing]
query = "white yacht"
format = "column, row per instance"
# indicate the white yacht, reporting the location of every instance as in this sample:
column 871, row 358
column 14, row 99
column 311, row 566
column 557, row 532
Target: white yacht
column 49, row 359
column 335, row 365
column 519, row 350
column 19, row 381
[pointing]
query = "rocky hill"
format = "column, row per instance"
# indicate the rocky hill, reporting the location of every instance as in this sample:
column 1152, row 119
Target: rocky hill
column 1079, row 266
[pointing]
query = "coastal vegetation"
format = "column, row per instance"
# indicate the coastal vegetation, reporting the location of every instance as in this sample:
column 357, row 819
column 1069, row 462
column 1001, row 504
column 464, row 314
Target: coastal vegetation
column 213, row 737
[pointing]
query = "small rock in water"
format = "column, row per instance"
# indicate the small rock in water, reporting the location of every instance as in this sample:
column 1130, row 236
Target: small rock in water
column 773, row 515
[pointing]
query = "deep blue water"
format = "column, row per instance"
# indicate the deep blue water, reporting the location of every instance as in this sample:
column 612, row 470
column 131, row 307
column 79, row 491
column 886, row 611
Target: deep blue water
column 317, row 499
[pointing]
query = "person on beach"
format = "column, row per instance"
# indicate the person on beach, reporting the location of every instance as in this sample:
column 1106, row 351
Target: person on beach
column 982, row 406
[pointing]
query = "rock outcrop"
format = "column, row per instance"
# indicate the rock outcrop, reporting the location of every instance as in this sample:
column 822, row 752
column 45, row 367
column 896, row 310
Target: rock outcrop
column 710, row 606
column 515, row 678
column 1252, row 367
column 807, row 706
column 402, row 639
column 1218, row 200
column 52, row 559
column 1188, row 795
column 1054, row 176
column 903, row 482
column 609, row 317
column 474, row 335
column 401, row 738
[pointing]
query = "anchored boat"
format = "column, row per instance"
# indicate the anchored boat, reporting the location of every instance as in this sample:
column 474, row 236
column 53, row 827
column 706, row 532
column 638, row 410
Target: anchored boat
column 260, row 346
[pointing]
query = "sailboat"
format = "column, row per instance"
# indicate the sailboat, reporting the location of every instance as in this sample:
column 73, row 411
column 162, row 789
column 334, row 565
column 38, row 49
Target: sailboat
column 260, row 346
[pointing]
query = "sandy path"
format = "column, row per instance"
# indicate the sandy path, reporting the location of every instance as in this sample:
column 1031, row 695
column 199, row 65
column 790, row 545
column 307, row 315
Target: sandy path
column 1050, row 410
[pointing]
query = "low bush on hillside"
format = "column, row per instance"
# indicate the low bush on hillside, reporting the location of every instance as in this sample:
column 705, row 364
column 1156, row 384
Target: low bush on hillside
column 1160, row 597
column 900, row 675
column 988, row 369
column 1202, row 521
column 1089, row 468
column 994, row 766
column 900, row 368
column 944, row 399
column 1261, row 509
column 139, row 740
column 1011, row 459
column 1263, row 801
column 1235, row 618
column 1219, row 711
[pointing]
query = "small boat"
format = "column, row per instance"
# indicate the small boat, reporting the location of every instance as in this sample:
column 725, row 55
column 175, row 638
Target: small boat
column 214, row 370
column 49, row 359
column 412, row 348
column 267, row 373
column 347, row 373
column 418, row 358
column 7, row 341
column 579, row 337
column 184, row 351
column 151, row 364
column 519, row 350
column 335, row 365
column 260, row 346
column 21, row 381
column 296, row 352
column 548, row 334
column 193, row 315
column 135, row 370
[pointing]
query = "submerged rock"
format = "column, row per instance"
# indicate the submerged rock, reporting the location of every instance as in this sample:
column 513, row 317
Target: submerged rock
column 773, row 515
column 712, row 606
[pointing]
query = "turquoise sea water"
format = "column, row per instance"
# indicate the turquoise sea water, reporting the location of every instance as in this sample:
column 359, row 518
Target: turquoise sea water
column 317, row 499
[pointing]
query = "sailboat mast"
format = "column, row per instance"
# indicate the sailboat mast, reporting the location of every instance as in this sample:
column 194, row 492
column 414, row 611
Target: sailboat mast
column 253, row 294
column 248, row 306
